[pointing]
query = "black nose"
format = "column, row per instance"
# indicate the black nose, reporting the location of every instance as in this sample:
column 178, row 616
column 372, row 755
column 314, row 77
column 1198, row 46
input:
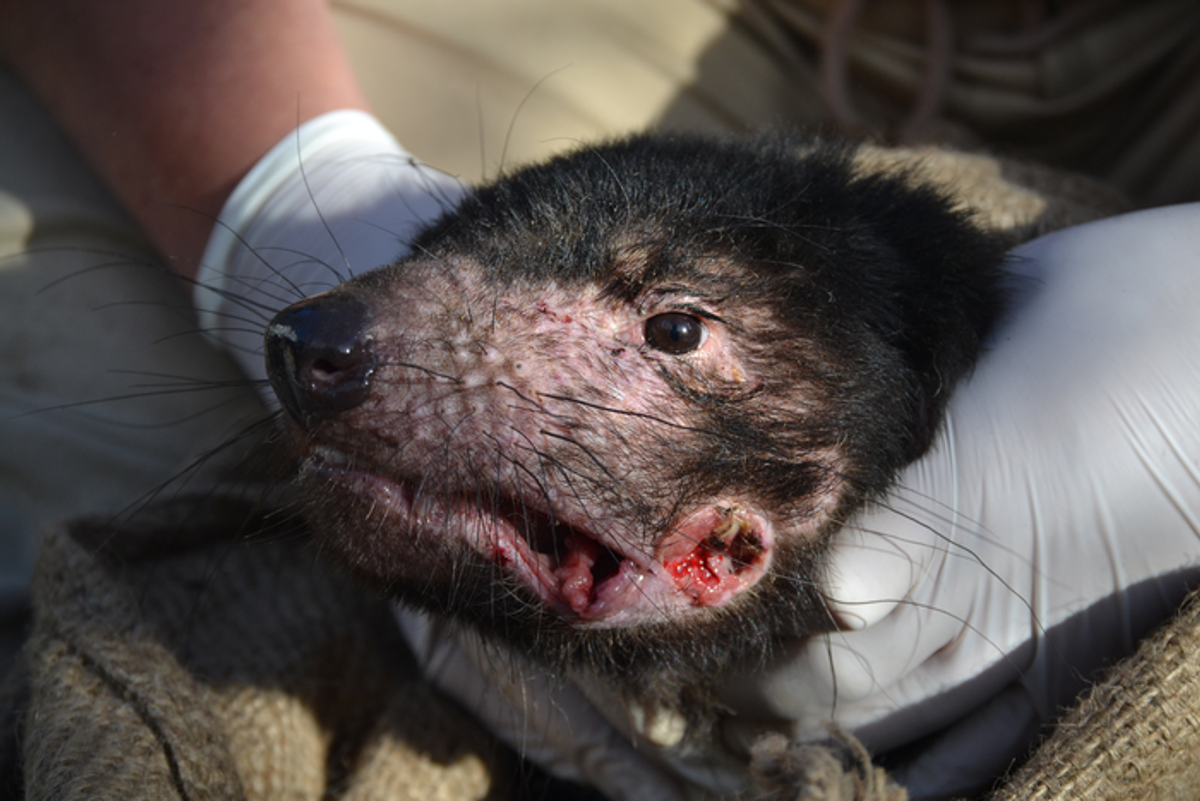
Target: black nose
column 318, row 359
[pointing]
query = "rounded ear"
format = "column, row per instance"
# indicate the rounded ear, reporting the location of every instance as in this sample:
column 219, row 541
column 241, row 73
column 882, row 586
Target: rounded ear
column 952, row 296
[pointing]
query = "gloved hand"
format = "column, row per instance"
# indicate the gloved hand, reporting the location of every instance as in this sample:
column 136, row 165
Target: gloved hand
column 336, row 197
column 1055, row 522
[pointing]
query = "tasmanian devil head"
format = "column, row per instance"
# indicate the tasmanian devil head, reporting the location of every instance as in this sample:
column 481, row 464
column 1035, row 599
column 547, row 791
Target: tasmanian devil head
column 611, row 408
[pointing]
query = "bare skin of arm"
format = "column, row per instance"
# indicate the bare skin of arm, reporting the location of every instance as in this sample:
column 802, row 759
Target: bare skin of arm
column 173, row 101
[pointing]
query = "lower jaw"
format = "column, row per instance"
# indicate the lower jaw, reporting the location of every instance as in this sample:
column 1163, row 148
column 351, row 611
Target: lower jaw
column 392, row 527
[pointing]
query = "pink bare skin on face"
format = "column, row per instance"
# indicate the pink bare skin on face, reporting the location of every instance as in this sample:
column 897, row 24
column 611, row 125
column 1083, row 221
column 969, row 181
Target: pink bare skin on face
column 487, row 428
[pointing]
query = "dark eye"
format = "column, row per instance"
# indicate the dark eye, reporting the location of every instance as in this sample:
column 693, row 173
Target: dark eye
column 675, row 333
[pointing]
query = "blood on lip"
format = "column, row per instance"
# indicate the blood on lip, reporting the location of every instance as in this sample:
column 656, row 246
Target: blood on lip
column 717, row 553
column 702, row 566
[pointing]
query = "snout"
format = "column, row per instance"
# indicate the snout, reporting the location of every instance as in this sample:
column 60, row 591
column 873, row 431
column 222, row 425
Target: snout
column 319, row 358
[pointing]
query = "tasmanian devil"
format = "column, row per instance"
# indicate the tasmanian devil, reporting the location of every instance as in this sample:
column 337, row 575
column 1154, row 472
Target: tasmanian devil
column 612, row 408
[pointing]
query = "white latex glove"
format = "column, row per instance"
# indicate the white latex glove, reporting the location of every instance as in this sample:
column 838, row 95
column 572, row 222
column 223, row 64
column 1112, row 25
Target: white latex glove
column 1055, row 523
column 336, row 197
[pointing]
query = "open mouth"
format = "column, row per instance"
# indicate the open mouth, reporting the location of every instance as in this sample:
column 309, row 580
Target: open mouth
column 581, row 569
column 702, row 560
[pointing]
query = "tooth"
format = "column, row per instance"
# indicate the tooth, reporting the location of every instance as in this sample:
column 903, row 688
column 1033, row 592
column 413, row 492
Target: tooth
column 661, row 726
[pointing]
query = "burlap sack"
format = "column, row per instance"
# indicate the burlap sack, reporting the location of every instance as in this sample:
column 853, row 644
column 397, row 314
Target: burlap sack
column 204, row 651
column 1133, row 737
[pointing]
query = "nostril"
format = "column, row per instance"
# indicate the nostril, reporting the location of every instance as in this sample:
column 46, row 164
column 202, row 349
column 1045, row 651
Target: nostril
column 323, row 371
column 319, row 358
column 332, row 370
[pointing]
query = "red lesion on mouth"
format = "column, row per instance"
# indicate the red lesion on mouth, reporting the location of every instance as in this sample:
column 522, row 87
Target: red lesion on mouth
column 716, row 553
column 704, row 559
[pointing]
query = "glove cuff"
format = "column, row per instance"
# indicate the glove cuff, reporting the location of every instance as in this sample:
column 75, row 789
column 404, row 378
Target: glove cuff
column 335, row 197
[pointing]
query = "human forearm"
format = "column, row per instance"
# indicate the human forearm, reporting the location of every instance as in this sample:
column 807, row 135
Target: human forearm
column 174, row 101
